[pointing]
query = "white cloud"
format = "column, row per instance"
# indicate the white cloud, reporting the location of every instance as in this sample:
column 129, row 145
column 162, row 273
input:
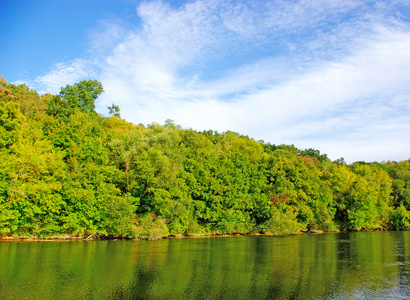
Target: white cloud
column 331, row 75
column 65, row 73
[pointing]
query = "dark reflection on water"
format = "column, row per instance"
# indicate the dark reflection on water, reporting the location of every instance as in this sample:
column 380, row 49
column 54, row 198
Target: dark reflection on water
column 328, row 266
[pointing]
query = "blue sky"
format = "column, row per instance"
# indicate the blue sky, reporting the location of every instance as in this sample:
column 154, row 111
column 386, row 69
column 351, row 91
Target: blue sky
column 329, row 75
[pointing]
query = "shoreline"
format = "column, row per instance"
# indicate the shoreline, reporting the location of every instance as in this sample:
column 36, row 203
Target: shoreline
column 69, row 238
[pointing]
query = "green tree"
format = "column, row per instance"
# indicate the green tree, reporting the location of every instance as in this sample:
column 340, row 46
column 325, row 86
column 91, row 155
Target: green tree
column 298, row 182
column 59, row 109
column 114, row 110
column 82, row 95
column 362, row 196
column 32, row 203
column 399, row 218
column 11, row 120
column 400, row 174
column 29, row 100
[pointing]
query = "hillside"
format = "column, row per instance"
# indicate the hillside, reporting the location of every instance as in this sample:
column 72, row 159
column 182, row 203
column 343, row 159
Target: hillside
column 65, row 170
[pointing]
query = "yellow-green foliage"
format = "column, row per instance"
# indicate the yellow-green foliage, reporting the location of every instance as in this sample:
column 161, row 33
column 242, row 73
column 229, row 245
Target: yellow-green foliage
column 66, row 170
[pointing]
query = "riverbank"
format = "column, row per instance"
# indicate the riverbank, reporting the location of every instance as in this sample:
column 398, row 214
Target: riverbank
column 93, row 237
column 171, row 236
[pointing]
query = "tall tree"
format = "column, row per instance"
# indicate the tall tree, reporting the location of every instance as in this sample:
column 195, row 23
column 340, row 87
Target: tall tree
column 11, row 120
column 114, row 110
column 82, row 95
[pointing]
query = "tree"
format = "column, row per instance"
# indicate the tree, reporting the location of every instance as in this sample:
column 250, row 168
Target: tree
column 29, row 100
column 114, row 110
column 31, row 176
column 297, row 182
column 5, row 92
column 59, row 109
column 82, row 95
column 11, row 120
column 314, row 153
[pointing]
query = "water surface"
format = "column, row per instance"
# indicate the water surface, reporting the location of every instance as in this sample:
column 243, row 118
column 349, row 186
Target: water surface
column 372, row 265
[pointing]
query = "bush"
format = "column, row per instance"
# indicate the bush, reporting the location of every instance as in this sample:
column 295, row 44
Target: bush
column 149, row 226
column 400, row 218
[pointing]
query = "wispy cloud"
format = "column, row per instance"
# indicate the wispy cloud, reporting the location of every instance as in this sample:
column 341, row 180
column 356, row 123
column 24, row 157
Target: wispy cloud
column 66, row 73
column 331, row 75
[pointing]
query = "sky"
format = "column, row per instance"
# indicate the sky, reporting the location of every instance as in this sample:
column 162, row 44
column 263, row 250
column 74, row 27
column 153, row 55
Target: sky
column 324, row 74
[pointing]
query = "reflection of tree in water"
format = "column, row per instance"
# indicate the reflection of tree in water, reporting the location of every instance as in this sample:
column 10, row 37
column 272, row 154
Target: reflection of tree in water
column 198, row 283
column 140, row 287
column 346, row 254
column 328, row 266
column 402, row 256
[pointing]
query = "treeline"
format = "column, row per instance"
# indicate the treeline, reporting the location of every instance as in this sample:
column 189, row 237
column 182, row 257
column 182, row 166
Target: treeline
column 65, row 170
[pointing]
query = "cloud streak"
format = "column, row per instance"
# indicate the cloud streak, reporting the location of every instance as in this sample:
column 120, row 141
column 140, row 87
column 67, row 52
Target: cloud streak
column 330, row 75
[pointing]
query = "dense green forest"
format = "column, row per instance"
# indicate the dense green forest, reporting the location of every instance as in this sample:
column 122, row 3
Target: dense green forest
column 65, row 170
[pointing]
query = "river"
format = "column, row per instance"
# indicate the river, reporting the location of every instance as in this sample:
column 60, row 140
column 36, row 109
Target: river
column 360, row 265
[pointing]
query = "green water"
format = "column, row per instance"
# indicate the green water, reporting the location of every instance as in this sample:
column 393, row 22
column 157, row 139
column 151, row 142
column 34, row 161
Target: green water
column 373, row 265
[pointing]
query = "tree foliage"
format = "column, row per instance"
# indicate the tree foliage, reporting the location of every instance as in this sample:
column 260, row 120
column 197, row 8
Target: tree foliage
column 66, row 170
column 80, row 96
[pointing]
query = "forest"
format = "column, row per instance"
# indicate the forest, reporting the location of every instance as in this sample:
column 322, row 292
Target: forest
column 66, row 170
